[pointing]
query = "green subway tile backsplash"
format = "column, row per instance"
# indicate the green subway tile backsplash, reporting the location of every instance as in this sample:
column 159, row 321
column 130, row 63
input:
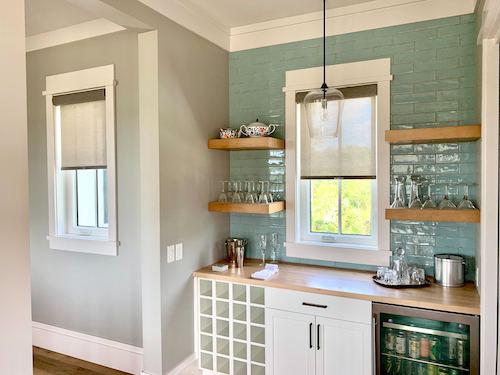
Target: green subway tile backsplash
column 433, row 64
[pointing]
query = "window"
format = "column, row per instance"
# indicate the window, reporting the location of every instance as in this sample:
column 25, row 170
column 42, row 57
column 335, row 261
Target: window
column 338, row 188
column 81, row 161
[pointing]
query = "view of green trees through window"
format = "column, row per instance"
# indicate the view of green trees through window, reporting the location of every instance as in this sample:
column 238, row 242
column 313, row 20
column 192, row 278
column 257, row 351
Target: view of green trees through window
column 355, row 216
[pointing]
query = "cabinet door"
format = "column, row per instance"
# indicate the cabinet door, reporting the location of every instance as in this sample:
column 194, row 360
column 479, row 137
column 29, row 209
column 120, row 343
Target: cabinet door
column 343, row 347
column 290, row 346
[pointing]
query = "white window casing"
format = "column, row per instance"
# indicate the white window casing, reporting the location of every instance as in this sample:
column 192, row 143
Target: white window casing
column 60, row 236
column 342, row 75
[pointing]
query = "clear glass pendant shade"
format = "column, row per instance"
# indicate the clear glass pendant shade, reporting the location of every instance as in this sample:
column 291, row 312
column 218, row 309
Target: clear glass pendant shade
column 324, row 112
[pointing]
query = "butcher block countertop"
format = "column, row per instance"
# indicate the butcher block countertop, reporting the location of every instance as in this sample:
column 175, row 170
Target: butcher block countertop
column 352, row 284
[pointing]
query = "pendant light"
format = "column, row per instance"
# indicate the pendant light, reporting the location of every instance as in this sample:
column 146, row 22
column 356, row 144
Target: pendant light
column 324, row 106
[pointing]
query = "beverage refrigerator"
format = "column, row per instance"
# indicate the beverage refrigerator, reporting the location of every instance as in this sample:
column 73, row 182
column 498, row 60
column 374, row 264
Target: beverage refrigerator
column 413, row 341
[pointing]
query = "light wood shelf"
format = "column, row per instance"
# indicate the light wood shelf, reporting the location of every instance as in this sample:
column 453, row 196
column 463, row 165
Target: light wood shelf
column 239, row 144
column 247, row 208
column 465, row 133
column 433, row 214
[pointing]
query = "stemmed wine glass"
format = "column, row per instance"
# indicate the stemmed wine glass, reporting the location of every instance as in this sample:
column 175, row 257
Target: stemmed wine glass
column 466, row 203
column 269, row 192
column 415, row 201
column 446, row 203
column 428, row 202
column 263, row 196
column 223, row 194
column 274, row 248
column 262, row 247
column 399, row 196
column 249, row 196
column 236, row 193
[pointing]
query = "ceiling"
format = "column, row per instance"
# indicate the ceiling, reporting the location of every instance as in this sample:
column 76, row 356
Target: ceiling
column 234, row 13
column 49, row 15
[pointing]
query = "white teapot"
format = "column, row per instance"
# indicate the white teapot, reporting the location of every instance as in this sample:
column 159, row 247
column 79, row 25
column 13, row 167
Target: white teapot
column 257, row 129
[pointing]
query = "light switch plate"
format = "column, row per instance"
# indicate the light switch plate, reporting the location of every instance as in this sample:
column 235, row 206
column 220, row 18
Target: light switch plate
column 178, row 251
column 170, row 253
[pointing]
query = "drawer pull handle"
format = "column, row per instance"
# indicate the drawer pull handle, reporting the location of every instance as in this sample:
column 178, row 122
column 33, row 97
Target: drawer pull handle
column 314, row 305
column 310, row 336
column 317, row 337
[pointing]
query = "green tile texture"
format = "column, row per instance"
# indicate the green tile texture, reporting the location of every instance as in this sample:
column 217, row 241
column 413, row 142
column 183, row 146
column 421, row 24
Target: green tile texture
column 433, row 64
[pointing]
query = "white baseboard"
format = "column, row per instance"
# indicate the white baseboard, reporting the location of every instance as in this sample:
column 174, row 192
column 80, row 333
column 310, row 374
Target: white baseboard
column 123, row 357
column 190, row 363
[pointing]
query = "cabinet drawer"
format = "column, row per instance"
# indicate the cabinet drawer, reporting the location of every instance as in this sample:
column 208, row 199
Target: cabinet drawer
column 319, row 304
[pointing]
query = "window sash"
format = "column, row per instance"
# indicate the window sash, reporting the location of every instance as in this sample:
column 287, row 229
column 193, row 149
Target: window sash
column 306, row 234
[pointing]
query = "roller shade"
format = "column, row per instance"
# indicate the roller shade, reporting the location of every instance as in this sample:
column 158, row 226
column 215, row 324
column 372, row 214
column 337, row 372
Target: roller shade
column 83, row 129
column 352, row 154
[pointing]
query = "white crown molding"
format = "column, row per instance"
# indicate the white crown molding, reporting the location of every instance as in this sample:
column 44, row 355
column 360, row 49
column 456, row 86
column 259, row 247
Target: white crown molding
column 366, row 16
column 92, row 349
column 72, row 33
column 193, row 19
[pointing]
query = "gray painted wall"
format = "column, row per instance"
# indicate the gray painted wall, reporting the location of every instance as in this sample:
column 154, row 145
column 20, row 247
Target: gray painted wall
column 193, row 105
column 93, row 294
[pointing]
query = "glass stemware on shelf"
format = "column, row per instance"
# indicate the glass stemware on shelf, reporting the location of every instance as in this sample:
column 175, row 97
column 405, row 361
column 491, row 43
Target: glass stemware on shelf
column 415, row 202
column 250, row 191
column 399, row 193
column 466, row 203
column 262, row 248
column 428, row 202
column 420, row 196
column 446, row 202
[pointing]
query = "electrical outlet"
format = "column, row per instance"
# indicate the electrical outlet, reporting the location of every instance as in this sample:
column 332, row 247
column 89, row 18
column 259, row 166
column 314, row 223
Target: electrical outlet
column 178, row 251
column 170, row 253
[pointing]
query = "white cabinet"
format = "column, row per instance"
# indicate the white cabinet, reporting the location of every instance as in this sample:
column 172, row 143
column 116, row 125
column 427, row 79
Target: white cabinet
column 290, row 346
column 309, row 334
column 344, row 347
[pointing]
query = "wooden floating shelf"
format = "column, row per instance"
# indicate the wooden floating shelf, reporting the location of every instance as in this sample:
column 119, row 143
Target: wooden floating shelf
column 466, row 133
column 433, row 214
column 239, row 144
column 247, row 208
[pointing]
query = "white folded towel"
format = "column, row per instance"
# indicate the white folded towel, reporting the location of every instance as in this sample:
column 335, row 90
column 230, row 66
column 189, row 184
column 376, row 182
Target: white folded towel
column 265, row 274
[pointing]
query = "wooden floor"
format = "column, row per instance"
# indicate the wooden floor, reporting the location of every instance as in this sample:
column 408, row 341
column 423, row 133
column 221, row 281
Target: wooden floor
column 46, row 362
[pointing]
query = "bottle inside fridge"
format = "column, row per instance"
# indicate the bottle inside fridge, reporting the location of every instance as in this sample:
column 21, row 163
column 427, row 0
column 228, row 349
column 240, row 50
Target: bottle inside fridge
column 423, row 342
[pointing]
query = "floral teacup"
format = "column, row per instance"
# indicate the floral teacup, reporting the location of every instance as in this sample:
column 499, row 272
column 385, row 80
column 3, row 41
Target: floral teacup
column 257, row 129
column 226, row 133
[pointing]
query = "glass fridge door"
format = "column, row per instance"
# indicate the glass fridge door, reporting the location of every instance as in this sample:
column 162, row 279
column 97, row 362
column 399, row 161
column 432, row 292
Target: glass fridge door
column 423, row 342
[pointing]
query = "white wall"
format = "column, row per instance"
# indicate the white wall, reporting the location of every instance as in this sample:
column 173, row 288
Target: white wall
column 15, row 314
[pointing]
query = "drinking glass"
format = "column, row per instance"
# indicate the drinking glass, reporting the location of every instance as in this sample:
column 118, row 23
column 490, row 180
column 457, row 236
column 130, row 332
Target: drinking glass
column 223, row 194
column 446, row 203
column 428, row 202
column 418, row 276
column 262, row 247
column 236, row 194
column 399, row 196
column 269, row 193
column 263, row 196
column 274, row 248
column 249, row 196
column 415, row 201
column 466, row 203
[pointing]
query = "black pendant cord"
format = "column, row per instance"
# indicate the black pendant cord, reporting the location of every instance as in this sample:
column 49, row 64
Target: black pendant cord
column 324, row 87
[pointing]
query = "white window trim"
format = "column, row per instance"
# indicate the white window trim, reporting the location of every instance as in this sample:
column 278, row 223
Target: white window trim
column 351, row 74
column 87, row 79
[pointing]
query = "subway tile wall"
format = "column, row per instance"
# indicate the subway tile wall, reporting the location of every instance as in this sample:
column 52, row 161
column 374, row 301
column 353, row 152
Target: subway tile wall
column 433, row 64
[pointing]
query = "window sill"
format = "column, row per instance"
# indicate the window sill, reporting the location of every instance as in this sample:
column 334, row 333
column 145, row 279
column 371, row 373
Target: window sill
column 81, row 244
column 338, row 253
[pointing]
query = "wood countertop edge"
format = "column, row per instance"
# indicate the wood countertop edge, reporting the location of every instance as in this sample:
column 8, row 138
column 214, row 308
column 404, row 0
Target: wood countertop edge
column 453, row 308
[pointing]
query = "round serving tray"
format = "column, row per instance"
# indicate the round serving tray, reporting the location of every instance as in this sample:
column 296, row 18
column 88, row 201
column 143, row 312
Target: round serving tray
column 400, row 286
